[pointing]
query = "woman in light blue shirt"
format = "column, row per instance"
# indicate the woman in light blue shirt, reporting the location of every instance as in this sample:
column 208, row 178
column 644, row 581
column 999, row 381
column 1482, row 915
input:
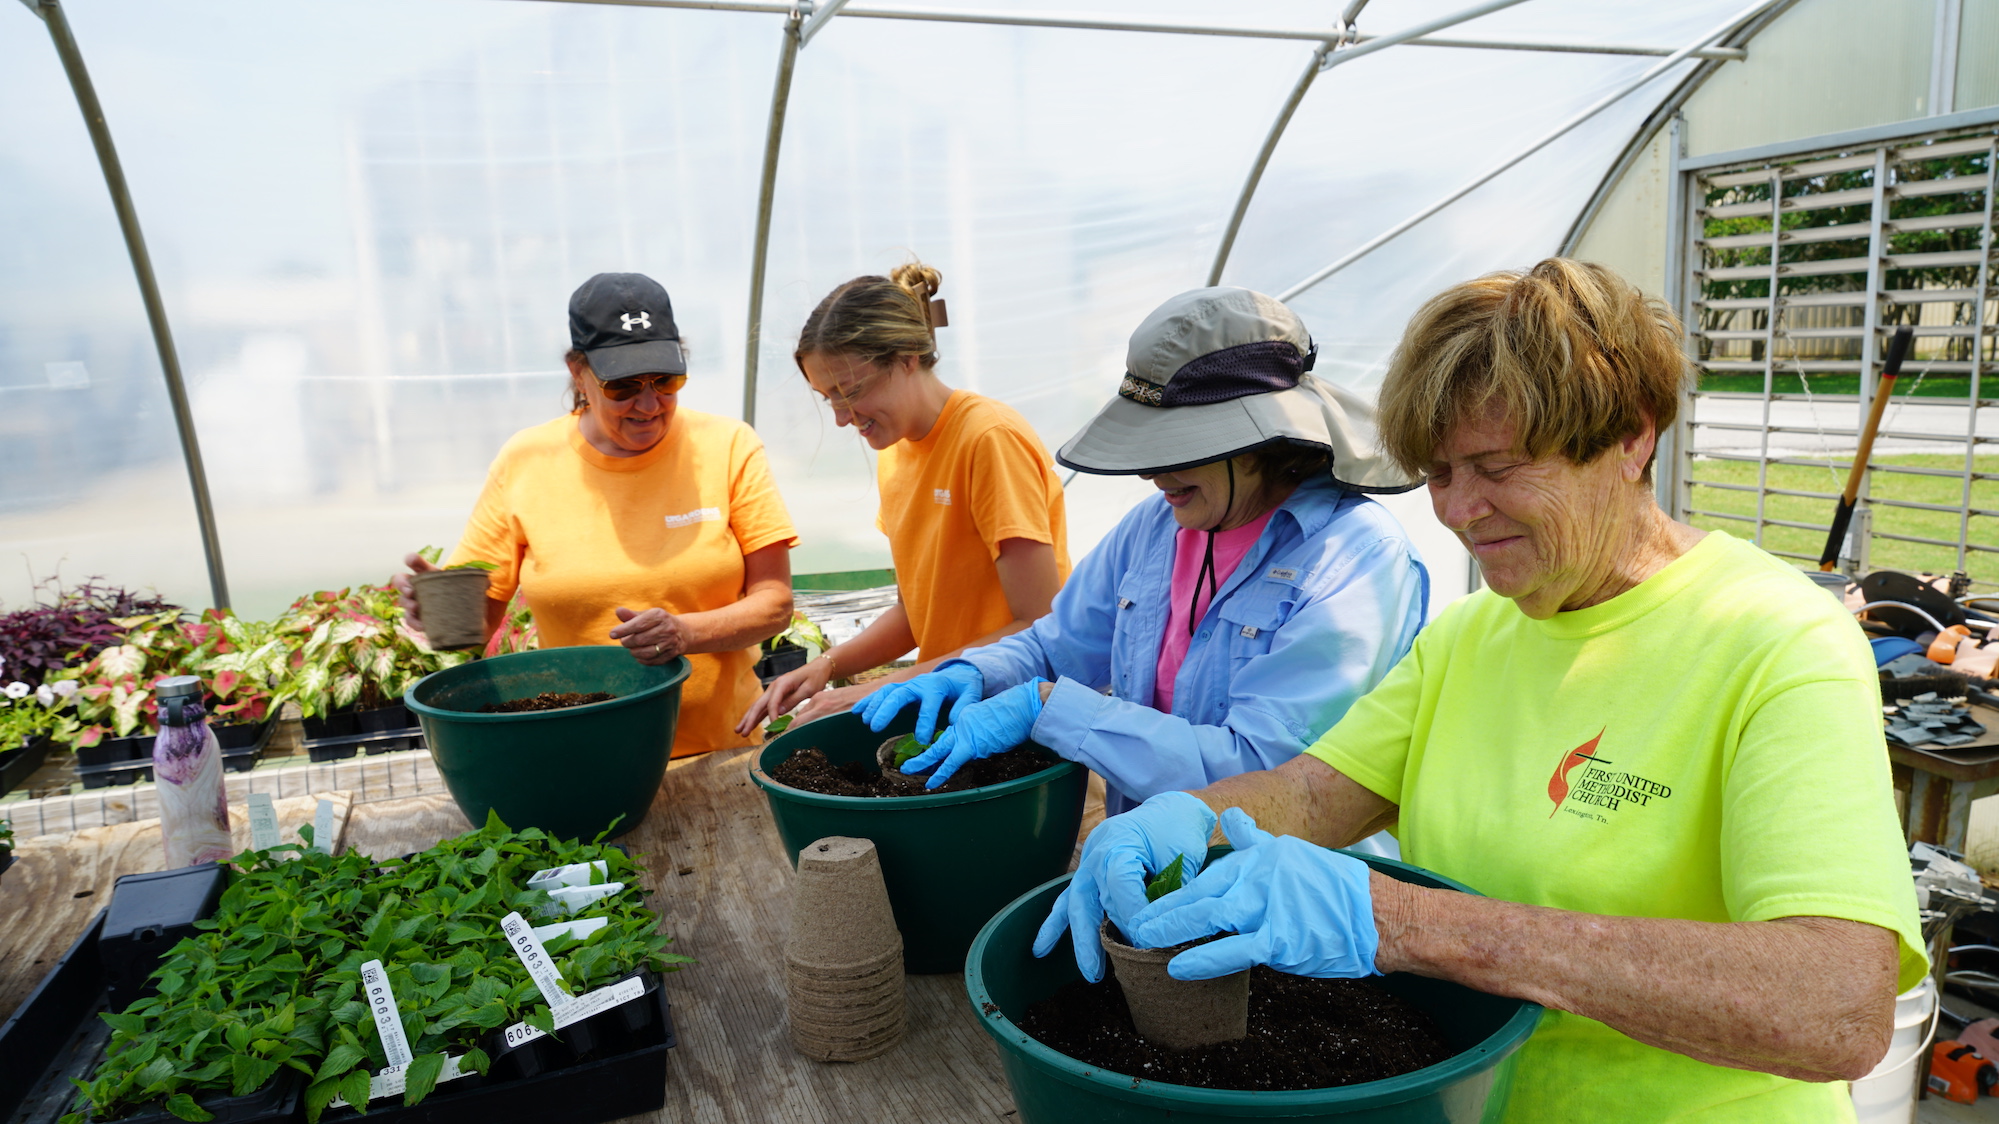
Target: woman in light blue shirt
column 1262, row 579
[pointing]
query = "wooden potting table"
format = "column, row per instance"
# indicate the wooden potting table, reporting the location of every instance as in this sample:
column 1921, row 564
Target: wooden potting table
column 717, row 874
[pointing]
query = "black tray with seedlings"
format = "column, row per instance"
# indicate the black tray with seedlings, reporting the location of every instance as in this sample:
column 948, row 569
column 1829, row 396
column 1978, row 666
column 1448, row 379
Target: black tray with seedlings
column 258, row 1015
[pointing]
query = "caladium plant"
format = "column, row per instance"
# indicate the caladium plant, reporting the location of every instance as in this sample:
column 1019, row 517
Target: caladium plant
column 273, row 981
column 351, row 647
column 114, row 689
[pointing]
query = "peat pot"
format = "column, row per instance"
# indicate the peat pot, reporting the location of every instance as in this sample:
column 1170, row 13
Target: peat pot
column 568, row 772
column 1003, row 977
column 950, row 859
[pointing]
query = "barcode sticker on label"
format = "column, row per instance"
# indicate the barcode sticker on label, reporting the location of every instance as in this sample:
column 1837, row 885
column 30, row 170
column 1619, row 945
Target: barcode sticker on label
column 388, row 1024
column 535, row 958
column 263, row 822
column 582, row 1007
column 322, row 827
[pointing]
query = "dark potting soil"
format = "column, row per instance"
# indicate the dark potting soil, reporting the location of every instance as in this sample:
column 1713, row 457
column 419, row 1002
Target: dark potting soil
column 547, row 700
column 1303, row 1034
column 810, row 770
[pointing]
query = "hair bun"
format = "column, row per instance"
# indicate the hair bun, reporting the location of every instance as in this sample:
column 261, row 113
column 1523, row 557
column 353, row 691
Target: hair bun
column 916, row 279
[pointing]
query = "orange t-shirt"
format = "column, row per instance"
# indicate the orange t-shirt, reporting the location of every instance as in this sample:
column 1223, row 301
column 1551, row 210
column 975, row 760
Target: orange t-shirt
column 981, row 476
column 580, row 534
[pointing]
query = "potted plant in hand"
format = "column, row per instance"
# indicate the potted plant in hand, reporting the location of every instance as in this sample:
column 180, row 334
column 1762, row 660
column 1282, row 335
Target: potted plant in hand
column 1180, row 1014
column 796, row 646
column 452, row 601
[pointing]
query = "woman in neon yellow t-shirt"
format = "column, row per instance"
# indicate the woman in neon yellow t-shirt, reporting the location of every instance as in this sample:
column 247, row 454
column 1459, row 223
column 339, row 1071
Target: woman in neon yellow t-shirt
column 1656, row 750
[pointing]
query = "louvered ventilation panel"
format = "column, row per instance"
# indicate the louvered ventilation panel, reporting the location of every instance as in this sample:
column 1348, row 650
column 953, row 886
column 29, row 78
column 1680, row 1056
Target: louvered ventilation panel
column 1801, row 272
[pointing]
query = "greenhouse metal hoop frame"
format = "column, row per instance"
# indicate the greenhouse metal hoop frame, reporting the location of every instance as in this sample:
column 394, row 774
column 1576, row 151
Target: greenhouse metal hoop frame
column 803, row 20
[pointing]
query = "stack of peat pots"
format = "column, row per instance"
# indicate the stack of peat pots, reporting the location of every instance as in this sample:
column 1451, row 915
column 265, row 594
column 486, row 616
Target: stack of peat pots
column 843, row 959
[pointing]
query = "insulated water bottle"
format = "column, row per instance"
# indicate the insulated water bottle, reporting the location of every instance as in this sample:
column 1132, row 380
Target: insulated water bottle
column 187, row 767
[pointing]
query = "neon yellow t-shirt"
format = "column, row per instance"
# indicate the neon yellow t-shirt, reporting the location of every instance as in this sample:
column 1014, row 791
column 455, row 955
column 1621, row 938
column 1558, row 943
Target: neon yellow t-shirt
column 1706, row 745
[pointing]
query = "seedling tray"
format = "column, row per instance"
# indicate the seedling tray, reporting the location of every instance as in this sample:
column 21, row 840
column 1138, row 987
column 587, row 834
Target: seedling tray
column 347, row 745
column 17, row 764
column 621, row 1071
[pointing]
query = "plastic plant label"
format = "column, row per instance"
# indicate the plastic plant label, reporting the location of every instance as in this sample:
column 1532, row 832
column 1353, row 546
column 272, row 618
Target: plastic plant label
column 322, row 827
column 263, row 822
column 575, row 874
column 582, row 929
column 394, row 1079
column 580, row 1008
column 389, row 1024
column 571, row 899
column 535, row 958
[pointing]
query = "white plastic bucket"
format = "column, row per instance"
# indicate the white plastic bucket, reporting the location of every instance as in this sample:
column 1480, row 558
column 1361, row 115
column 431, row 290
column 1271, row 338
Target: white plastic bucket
column 1888, row 1095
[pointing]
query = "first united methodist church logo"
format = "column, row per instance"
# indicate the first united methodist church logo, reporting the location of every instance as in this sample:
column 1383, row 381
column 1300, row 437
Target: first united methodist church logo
column 1598, row 786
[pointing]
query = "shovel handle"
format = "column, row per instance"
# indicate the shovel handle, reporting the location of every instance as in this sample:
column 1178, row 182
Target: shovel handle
column 1842, row 518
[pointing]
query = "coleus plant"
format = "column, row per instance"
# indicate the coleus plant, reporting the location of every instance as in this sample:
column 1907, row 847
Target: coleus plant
column 274, row 982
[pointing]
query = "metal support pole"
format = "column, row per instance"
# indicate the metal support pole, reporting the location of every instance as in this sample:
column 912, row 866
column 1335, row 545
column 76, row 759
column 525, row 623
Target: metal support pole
column 780, row 97
column 818, row 20
column 1341, row 47
column 1087, row 22
column 1549, row 138
column 149, row 289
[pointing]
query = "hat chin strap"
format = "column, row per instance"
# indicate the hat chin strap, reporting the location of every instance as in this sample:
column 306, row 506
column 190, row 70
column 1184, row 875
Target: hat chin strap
column 1207, row 572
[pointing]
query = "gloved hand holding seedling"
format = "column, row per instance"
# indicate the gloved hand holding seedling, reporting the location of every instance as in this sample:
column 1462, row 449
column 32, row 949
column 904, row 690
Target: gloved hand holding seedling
column 982, row 729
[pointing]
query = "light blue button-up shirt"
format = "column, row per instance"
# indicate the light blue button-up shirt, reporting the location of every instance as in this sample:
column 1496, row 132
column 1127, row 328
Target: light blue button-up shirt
column 1327, row 600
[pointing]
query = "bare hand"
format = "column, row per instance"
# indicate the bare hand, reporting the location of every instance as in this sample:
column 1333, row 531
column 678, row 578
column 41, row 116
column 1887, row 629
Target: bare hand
column 653, row 637
column 839, row 700
column 785, row 692
column 406, row 590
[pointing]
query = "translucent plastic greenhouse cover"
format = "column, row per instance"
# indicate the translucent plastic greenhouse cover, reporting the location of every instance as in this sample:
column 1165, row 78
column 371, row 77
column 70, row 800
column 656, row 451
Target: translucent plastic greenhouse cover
column 367, row 217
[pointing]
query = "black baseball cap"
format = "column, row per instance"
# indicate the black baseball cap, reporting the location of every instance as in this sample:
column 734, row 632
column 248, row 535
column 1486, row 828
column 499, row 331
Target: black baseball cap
column 623, row 322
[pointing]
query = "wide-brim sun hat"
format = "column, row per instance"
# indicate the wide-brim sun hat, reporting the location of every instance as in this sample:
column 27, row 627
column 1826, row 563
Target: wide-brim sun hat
column 1220, row 371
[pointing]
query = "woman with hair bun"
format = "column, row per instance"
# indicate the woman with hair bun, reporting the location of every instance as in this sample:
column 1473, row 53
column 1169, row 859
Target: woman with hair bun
column 970, row 501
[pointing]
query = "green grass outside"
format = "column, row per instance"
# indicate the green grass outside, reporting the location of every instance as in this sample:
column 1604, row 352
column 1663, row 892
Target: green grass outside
column 1781, row 382
column 1885, row 554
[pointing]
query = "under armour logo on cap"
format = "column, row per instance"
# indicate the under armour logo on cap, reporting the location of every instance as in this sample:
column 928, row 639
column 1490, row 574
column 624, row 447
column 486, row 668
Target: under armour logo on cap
column 623, row 323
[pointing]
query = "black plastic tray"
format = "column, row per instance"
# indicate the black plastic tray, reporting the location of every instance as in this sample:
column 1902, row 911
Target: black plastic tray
column 346, row 746
column 137, row 765
column 55, row 1034
column 20, row 762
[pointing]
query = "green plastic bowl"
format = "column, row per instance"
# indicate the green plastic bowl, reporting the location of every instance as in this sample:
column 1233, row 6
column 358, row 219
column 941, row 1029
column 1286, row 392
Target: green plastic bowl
column 1003, row 977
column 951, row 860
column 568, row 772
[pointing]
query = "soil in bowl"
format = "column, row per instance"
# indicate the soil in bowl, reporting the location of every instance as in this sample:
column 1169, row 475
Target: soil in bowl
column 547, row 700
column 810, row 770
column 1303, row 1034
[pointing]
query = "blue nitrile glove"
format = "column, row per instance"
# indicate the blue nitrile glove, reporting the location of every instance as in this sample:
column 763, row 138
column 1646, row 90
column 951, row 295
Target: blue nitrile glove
column 981, row 730
column 1117, row 858
column 1300, row 909
column 956, row 682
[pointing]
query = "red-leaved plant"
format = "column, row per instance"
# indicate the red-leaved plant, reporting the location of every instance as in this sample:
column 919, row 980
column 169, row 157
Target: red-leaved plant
column 67, row 627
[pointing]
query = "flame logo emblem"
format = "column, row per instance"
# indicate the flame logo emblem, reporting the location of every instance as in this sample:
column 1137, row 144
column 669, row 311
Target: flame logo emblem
column 1558, row 785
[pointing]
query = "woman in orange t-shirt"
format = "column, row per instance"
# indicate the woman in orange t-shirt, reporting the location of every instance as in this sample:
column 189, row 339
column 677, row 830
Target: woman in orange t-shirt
column 969, row 497
column 631, row 521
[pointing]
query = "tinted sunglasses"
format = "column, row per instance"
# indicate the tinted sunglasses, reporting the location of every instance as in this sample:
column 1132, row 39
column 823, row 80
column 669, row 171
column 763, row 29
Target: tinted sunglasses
column 620, row 390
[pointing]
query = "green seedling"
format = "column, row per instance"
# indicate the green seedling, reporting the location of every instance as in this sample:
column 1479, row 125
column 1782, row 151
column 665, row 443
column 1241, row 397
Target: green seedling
column 435, row 555
column 907, row 749
column 777, row 726
column 1166, row 881
column 272, row 980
